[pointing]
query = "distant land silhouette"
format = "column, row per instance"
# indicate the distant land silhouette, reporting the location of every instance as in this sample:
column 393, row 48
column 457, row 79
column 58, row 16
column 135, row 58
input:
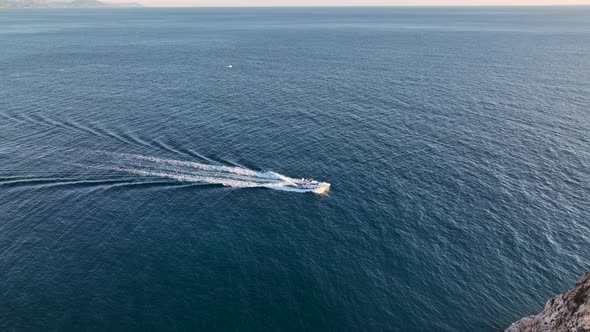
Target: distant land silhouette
column 63, row 4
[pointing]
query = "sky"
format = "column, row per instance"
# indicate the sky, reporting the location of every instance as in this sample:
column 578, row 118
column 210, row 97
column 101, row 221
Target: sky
column 246, row 3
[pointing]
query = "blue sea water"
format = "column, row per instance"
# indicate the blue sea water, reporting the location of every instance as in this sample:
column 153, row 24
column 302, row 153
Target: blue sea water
column 456, row 140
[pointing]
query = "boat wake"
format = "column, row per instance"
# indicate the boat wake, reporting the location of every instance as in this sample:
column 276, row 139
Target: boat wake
column 194, row 172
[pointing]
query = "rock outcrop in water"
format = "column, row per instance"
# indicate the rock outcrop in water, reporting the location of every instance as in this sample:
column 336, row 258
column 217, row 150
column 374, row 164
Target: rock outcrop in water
column 569, row 311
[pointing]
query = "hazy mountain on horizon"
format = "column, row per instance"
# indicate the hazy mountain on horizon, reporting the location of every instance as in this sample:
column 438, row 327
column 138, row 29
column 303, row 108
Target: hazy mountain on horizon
column 63, row 4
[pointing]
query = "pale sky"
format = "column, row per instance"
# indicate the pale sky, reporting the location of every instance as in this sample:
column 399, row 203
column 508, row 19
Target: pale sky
column 246, row 3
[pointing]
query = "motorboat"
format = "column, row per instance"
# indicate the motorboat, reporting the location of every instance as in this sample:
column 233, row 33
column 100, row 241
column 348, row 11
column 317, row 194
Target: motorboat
column 311, row 185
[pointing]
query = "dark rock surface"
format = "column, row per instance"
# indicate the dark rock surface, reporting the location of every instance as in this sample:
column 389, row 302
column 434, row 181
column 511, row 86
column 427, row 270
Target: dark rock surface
column 569, row 311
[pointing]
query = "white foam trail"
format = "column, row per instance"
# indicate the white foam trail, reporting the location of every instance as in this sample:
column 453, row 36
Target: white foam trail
column 188, row 171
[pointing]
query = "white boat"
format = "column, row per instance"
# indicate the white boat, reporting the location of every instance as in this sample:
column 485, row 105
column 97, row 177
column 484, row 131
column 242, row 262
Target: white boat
column 230, row 66
column 311, row 186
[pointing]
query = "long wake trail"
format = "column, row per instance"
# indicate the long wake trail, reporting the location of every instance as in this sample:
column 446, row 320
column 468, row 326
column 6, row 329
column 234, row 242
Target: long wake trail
column 195, row 172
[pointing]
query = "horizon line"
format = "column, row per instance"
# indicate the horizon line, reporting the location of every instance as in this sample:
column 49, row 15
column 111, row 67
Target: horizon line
column 310, row 6
column 357, row 6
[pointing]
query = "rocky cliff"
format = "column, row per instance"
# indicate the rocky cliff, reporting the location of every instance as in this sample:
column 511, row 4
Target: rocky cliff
column 569, row 312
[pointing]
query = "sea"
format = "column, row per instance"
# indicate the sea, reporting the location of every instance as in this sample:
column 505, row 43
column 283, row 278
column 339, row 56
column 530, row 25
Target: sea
column 144, row 184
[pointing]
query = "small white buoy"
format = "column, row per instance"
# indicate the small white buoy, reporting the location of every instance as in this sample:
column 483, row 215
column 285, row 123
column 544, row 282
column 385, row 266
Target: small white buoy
column 230, row 66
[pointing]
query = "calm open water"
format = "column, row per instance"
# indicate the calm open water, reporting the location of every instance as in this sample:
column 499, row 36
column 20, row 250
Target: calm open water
column 457, row 143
